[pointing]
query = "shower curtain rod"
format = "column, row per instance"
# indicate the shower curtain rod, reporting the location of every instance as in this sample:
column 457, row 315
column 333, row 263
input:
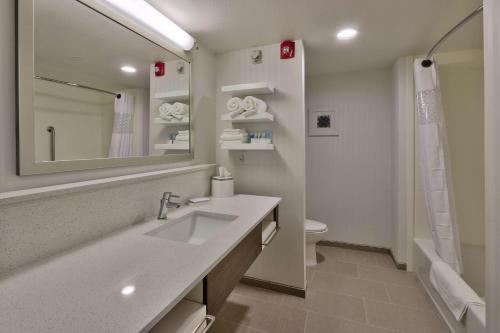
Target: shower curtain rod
column 78, row 85
column 428, row 62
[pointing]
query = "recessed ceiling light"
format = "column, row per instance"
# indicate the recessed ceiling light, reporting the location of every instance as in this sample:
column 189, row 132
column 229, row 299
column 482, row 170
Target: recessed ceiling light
column 346, row 34
column 129, row 69
column 128, row 290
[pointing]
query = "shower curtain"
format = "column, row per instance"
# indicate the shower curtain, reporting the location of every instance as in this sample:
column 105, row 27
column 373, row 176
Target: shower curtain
column 435, row 165
column 123, row 127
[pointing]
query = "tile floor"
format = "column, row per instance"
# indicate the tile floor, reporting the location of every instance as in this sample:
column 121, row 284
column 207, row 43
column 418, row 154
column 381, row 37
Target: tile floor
column 348, row 292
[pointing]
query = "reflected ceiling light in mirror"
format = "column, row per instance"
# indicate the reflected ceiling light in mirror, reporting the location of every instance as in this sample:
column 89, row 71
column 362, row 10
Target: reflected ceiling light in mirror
column 128, row 290
column 146, row 14
column 346, row 34
column 129, row 69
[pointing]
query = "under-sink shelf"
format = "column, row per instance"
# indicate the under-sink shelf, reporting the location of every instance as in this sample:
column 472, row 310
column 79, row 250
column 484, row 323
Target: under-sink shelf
column 247, row 89
column 264, row 117
column 246, row 146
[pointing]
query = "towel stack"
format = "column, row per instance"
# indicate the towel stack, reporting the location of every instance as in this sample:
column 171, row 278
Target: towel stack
column 247, row 107
column 234, row 135
column 182, row 136
column 177, row 111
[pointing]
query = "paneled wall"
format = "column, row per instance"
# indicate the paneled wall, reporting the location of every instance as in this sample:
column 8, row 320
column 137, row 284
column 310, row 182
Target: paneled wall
column 275, row 173
column 349, row 177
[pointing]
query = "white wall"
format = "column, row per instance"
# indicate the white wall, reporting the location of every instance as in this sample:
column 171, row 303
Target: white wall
column 276, row 173
column 404, row 159
column 349, row 177
column 204, row 111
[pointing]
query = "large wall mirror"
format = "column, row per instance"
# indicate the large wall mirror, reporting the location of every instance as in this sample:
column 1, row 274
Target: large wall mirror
column 93, row 92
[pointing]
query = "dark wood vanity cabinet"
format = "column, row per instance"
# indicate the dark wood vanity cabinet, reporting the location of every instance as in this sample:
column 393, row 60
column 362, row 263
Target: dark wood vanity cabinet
column 220, row 282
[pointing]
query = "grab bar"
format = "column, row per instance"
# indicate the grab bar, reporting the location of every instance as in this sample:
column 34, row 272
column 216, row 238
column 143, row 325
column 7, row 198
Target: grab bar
column 52, row 132
column 209, row 320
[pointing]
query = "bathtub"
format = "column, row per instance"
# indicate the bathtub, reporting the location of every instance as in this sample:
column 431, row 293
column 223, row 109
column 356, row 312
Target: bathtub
column 475, row 319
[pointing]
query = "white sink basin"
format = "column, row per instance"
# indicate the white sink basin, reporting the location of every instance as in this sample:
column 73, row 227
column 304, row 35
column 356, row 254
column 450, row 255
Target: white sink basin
column 193, row 228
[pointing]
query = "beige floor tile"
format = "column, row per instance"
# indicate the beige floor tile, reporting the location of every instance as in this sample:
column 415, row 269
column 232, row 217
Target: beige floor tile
column 317, row 323
column 263, row 316
column 337, row 267
column 409, row 296
column 261, row 294
column 330, row 304
column 224, row 326
column 409, row 320
column 357, row 257
column 388, row 275
column 349, row 286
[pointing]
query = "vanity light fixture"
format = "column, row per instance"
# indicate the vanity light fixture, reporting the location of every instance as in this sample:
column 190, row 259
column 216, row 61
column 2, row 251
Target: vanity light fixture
column 149, row 16
column 129, row 69
column 128, row 290
column 346, row 34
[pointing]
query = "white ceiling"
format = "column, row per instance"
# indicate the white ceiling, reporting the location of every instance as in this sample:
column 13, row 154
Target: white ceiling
column 388, row 28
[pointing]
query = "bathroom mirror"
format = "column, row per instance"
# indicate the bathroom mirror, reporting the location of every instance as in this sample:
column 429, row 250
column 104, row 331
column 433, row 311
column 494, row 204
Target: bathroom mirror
column 95, row 92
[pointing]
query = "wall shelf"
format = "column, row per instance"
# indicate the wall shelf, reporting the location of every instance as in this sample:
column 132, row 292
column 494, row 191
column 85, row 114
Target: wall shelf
column 173, row 122
column 172, row 146
column 173, row 96
column 246, row 146
column 247, row 89
column 265, row 117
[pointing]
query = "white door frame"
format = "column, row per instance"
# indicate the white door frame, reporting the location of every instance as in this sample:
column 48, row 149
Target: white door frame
column 492, row 161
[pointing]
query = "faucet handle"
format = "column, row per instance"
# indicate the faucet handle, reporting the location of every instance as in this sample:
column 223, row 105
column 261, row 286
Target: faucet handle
column 168, row 195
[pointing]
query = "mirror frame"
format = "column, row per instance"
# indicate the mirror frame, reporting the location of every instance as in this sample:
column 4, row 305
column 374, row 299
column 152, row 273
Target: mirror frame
column 26, row 163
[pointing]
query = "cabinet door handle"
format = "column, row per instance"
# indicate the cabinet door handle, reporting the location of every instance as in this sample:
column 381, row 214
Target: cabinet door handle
column 209, row 320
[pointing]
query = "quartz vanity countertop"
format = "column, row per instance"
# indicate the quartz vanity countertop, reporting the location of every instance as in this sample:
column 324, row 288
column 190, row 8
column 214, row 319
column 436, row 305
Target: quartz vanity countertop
column 83, row 290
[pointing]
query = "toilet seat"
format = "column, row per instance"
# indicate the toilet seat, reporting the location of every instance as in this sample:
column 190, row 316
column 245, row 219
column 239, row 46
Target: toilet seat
column 315, row 226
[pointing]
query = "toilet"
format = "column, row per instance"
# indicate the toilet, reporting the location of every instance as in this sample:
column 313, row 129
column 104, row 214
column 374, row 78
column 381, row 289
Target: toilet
column 315, row 231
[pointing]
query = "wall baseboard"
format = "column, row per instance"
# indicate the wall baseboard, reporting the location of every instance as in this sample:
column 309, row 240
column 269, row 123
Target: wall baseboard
column 281, row 288
column 367, row 248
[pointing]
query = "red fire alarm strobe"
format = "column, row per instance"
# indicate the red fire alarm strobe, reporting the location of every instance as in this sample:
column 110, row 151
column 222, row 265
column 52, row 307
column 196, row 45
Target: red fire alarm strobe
column 159, row 68
column 287, row 48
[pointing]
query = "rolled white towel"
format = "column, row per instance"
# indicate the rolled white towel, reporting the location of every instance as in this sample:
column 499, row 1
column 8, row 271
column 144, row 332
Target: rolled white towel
column 249, row 113
column 178, row 116
column 166, row 110
column 234, row 114
column 180, row 108
column 234, row 104
column 251, row 103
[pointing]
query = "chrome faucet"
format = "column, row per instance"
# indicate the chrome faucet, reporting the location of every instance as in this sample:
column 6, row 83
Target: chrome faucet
column 166, row 204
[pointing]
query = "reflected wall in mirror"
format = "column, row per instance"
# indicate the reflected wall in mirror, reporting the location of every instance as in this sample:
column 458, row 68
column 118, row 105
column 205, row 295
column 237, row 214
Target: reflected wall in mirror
column 99, row 90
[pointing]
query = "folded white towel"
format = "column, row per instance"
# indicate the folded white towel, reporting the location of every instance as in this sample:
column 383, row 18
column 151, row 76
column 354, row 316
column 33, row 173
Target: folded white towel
column 227, row 136
column 183, row 138
column 234, row 130
column 456, row 294
column 251, row 103
column 234, row 104
column 186, row 132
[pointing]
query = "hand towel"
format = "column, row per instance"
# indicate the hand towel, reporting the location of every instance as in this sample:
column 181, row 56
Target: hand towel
column 234, row 104
column 251, row 103
column 456, row 294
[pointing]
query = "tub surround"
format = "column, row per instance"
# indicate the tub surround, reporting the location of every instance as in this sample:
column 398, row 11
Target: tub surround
column 81, row 290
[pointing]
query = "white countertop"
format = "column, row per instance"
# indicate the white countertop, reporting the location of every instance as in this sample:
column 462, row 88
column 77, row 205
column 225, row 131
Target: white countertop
column 80, row 291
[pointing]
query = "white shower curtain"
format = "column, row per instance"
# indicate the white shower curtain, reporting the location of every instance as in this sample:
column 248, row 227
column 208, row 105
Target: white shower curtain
column 435, row 165
column 123, row 127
